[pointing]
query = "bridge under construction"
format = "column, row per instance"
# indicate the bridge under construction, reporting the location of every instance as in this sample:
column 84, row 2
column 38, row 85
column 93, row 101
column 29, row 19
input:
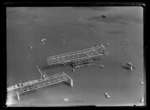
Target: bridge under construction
column 74, row 58
column 21, row 88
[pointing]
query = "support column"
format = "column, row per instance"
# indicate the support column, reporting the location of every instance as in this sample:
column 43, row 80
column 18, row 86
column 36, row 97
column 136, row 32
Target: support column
column 18, row 97
column 71, row 82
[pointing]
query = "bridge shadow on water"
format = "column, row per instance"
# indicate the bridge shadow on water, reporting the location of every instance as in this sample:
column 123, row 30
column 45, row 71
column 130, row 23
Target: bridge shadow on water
column 47, row 67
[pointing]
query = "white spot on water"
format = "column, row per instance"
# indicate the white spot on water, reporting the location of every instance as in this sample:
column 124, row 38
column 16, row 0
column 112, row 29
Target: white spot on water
column 66, row 99
column 31, row 48
column 142, row 100
column 102, row 66
column 141, row 82
column 73, row 70
column 107, row 95
column 43, row 39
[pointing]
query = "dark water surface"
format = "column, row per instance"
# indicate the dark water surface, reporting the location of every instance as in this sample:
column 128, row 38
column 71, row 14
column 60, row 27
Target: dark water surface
column 79, row 29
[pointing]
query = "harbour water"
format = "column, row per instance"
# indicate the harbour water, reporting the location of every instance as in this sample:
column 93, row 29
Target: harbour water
column 26, row 27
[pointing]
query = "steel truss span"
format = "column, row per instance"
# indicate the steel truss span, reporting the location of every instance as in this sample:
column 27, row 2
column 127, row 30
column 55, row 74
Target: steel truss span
column 51, row 80
column 95, row 51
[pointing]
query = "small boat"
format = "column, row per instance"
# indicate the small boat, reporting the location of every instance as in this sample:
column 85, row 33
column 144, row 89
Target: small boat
column 129, row 66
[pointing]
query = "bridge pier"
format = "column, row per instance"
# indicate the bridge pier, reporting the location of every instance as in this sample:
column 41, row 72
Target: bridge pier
column 18, row 97
column 70, row 80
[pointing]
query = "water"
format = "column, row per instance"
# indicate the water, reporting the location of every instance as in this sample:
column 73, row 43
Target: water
column 25, row 51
